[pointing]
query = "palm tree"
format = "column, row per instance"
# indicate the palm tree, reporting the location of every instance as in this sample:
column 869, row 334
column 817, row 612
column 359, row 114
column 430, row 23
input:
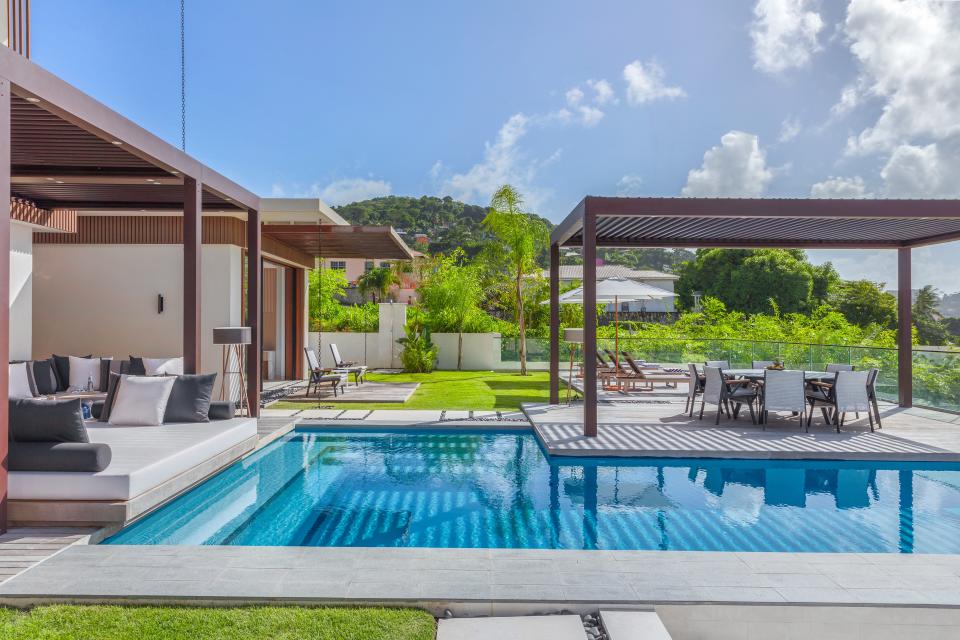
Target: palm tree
column 377, row 282
column 521, row 236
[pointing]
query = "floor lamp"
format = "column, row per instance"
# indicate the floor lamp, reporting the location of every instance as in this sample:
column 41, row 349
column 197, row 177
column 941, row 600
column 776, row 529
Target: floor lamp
column 232, row 341
column 575, row 338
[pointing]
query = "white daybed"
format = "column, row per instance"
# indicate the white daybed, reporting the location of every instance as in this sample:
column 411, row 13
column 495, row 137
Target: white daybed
column 148, row 466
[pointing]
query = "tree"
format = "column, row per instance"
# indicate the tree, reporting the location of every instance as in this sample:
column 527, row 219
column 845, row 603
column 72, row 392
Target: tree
column 927, row 318
column 519, row 238
column 377, row 282
column 327, row 287
column 748, row 280
column 864, row 303
column 451, row 294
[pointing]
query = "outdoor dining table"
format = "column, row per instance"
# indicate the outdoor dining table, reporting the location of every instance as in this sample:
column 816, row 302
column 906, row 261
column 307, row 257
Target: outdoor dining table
column 757, row 374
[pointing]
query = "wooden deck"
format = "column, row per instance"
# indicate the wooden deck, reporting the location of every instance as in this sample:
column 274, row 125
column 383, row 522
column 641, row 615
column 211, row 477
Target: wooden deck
column 24, row 547
column 368, row 392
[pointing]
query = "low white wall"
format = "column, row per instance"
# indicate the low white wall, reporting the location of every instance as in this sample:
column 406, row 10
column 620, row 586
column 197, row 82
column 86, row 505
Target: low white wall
column 481, row 351
column 102, row 299
column 21, row 291
column 378, row 350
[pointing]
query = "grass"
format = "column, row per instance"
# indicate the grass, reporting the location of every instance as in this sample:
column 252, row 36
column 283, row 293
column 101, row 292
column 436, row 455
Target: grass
column 453, row 390
column 62, row 622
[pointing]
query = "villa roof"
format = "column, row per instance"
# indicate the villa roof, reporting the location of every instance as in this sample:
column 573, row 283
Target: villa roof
column 342, row 241
column 68, row 151
column 766, row 222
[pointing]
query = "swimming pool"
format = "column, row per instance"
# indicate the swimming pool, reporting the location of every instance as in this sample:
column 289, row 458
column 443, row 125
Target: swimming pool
column 415, row 488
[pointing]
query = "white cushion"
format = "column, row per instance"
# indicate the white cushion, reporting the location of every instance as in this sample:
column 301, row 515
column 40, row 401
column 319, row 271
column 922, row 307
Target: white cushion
column 142, row 458
column 19, row 386
column 81, row 369
column 141, row 401
column 163, row 366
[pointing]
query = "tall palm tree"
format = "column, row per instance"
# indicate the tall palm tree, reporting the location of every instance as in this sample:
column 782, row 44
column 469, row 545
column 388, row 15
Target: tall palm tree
column 377, row 283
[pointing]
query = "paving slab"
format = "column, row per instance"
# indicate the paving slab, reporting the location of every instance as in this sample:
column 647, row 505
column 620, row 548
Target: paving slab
column 568, row 627
column 633, row 625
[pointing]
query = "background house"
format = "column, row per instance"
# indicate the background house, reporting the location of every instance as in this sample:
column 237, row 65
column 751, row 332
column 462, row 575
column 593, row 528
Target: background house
column 574, row 273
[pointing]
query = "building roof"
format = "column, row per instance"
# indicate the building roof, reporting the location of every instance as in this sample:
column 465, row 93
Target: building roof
column 298, row 211
column 604, row 271
column 342, row 241
column 762, row 222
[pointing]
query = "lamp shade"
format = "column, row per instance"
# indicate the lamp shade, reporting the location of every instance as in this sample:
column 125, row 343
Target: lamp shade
column 232, row 335
column 573, row 335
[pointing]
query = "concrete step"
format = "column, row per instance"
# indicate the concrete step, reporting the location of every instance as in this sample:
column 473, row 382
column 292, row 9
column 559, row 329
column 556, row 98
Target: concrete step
column 568, row 627
column 633, row 625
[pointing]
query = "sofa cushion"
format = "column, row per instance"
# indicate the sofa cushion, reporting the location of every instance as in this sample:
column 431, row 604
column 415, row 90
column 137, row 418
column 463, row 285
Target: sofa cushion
column 163, row 366
column 136, row 367
column 20, row 382
column 34, row 420
column 222, row 410
column 44, row 377
column 190, row 398
column 141, row 401
column 103, row 414
column 61, row 366
column 58, row 456
column 81, row 370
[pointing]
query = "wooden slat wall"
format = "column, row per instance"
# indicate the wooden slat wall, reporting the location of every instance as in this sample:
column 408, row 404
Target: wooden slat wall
column 168, row 230
column 63, row 220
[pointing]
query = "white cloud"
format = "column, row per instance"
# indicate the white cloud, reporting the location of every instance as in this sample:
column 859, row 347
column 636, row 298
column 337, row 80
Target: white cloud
column 929, row 171
column 909, row 56
column 574, row 96
column 736, row 167
column 789, row 129
column 353, row 190
column 840, row 187
column 645, row 83
column 603, row 92
column 784, row 34
column 436, row 170
column 590, row 116
column 630, row 185
column 502, row 163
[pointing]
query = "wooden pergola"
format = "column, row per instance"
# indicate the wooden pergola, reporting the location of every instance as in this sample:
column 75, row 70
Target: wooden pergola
column 742, row 223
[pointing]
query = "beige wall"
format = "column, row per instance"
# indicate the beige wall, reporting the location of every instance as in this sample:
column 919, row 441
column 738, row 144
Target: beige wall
column 21, row 291
column 102, row 299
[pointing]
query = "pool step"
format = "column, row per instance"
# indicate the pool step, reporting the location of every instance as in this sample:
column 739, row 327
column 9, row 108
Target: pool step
column 569, row 627
column 633, row 625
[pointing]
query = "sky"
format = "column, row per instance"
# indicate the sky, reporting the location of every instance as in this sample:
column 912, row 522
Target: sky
column 562, row 98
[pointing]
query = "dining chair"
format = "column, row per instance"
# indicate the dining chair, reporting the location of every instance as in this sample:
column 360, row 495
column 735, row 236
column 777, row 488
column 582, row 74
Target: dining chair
column 722, row 392
column 783, row 390
column 872, row 392
column 762, row 364
column 847, row 394
column 722, row 364
column 694, row 388
column 833, row 368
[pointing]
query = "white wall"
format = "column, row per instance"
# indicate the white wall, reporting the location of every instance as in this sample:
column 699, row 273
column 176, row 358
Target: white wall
column 21, row 291
column 481, row 351
column 376, row 350
column 102, row 299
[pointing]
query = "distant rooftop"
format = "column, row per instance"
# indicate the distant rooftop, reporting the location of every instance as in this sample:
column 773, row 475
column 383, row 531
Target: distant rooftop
column 575, row 272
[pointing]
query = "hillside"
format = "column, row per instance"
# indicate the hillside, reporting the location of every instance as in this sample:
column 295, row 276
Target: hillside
column 447, row 223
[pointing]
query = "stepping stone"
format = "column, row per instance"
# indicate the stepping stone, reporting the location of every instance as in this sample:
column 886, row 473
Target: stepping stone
column 633, row 625
column 512, row 628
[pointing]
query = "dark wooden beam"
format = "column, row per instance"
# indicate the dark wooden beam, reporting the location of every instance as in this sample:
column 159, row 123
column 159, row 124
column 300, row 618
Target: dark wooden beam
column 589, row 324
column 904, row 329
column 192, row 258
column 569, row 226
column 4, row 291
column 254, row 309
column 688, row 243
column 554, row 324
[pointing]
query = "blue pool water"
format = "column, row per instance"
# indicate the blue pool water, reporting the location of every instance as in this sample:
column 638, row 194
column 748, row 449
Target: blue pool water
column 497, row 489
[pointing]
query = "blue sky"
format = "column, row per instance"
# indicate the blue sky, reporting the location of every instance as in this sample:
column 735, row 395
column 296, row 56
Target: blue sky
column 347, row 100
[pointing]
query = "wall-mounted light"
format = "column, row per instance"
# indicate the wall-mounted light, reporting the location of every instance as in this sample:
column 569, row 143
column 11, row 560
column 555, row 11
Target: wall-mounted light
column 159, row 303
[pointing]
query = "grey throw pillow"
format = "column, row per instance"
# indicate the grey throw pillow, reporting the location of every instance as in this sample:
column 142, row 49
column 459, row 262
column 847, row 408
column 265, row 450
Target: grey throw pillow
column 45, row 377
column 112, row 385
column 46, row 421
column 190, row 399
column 61, row 365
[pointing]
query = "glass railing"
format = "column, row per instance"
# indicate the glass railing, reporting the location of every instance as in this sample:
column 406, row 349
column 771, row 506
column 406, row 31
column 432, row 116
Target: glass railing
column 936, row 371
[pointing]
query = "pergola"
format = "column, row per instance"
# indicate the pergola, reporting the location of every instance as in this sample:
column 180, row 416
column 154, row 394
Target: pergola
column 742, row 223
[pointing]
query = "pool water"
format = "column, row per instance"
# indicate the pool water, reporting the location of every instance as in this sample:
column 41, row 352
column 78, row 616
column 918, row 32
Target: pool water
column 498, row 489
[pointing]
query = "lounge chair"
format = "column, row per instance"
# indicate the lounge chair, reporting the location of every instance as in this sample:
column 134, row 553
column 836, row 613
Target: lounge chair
column 651, row 375
column 722, row 391
column 318, row 375
column 358, row 370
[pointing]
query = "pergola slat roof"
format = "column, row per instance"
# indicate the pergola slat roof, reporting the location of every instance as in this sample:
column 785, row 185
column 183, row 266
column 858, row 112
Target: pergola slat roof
column 744, row 222
column 342, row 241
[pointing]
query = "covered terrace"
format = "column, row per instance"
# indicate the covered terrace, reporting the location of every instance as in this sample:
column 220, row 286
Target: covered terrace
column 742, row 223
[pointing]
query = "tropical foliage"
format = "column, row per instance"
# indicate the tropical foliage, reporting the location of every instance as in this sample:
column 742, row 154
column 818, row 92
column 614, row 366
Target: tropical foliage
column 327, row 287
column 419, row 354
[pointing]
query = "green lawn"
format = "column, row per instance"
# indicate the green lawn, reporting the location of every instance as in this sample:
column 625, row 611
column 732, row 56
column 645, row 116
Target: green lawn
column 454, row 390
column 246, row 623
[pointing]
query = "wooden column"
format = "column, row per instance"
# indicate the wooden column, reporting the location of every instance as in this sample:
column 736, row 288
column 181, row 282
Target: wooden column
column 554, row 324
column 192, row 239
column 589, row 323
column 904, row 328
column 4, row 291
column 254, row 309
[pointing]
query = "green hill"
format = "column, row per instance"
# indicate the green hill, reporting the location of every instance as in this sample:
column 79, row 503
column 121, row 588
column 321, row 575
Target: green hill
column 447, row 223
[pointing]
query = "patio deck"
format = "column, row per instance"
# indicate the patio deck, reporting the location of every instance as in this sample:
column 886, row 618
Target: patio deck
column 368, row 392
column 656, row 426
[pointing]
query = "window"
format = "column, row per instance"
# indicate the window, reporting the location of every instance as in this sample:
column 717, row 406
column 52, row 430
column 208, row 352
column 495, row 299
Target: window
column 384, row 265
column 368, row 266
column 338, row 264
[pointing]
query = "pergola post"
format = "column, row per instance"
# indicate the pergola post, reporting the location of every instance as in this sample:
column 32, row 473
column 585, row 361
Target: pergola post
column 4, row 291
column 904, row 328
column 254, row 309
column 192, row 254
column 589, row 322
column 554, row 323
